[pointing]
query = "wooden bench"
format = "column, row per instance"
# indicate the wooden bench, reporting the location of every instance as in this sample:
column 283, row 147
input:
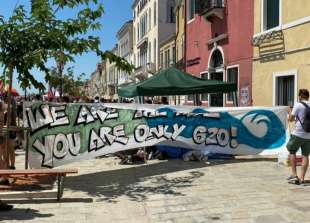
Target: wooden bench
column 59, row 173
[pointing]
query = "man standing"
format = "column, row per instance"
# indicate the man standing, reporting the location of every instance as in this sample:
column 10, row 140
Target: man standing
column 300, row 137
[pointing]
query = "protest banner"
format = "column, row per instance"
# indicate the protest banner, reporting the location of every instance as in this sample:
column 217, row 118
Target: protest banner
column 65, row 133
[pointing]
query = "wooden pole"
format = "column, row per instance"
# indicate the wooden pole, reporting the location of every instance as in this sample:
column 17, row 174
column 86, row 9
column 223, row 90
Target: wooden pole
column 27, row 150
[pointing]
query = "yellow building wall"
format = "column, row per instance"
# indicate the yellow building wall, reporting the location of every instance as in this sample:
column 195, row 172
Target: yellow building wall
column 164, row 47
column 263, row 86
column 291, row 10
column 257, row 16
column 295, row 44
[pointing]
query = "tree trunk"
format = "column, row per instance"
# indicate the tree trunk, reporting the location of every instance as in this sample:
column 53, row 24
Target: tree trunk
column 8, row 114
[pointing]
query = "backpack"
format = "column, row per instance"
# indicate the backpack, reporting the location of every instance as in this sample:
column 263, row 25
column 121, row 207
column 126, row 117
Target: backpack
column 306, row 123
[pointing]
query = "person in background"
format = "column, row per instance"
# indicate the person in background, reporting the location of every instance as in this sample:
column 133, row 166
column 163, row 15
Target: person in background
column 3, row 181
column 299, row 138
column 102, row 100
column 65, row 99
column 96, row 99
column 12, row 134
column 164, row 100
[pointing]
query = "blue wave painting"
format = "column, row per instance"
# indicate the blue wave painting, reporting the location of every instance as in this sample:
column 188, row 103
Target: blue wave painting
column 259, row 129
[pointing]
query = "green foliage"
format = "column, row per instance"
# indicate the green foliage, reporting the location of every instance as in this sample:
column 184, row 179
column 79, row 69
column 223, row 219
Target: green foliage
column 2, row 78
column 29, row 39
column 71, row 86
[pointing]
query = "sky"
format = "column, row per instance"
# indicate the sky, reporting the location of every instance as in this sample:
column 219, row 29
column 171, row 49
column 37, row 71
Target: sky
column 117, row 12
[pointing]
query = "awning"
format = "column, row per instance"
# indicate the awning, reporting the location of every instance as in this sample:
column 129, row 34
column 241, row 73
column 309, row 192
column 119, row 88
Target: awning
column 175, row 82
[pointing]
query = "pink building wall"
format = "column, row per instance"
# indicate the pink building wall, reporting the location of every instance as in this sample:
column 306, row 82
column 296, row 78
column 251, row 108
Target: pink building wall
column 238, row 24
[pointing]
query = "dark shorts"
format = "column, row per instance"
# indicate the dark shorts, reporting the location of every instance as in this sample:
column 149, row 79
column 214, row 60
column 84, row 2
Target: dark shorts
column 12, row 135
column 296, row 142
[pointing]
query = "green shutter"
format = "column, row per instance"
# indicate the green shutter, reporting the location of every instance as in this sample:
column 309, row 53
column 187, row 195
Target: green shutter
column 192, row 9
column 272, row 13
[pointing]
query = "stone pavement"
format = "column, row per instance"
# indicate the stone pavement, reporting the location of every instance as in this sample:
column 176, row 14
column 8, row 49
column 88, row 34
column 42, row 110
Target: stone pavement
column 243, row 191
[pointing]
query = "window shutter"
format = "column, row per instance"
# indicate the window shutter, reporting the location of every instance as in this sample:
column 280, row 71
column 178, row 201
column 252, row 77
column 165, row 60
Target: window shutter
column 272, row 13
column 199, row 6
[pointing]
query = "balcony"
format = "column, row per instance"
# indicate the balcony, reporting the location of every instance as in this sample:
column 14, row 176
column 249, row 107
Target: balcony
column 142, row 72
column 213, row 9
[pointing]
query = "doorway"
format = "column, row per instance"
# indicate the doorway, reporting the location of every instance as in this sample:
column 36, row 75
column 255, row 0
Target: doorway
column 217, row 99
column 216, row 72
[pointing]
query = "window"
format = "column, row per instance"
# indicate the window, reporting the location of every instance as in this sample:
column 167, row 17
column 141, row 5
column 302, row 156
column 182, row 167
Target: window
column 204, row 97
column 143, row 23
column 285, row 90
column 161, row 60
column 134, row 60
column 170, row 12
column 138, row 32
column 173, row 55
column 178, row 21
column 165, row 60
column 142, row 4
column 232, row 77
column 155, row 14
column 217, row 59
column 190, row 97
column 191, row 9
column 150, row 19
column 143, row 56
column 271, row 14
column 168, row 58
column 182, row 46
column 194, row 7
column 155, row 52
column 150, row 52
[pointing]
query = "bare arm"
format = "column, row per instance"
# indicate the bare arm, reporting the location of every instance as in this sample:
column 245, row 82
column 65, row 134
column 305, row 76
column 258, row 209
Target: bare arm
column 291, row 117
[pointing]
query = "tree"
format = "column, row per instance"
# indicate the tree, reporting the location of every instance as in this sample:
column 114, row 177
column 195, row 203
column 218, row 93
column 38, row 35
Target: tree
column 29, row 39
column 71, row 86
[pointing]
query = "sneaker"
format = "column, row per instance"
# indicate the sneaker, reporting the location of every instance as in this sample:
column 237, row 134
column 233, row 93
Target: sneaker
column 5, row 207
column 293, row 180
column 303, row 183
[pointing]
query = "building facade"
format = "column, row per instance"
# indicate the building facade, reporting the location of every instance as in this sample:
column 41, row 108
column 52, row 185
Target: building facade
column 153, row 23
column 112, row 77
column 180, row 34
column 219, row 46
column 96, row 86
column 281, row 63
column 125, row 49
column 167, row 56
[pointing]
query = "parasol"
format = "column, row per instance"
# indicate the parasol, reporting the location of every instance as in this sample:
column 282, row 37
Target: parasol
column 14, row 92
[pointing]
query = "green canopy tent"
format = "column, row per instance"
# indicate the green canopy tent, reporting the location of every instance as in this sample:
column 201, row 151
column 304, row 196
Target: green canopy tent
column 175, row 82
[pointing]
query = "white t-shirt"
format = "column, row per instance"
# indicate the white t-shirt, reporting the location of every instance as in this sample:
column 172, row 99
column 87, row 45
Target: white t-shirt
column 299, row 111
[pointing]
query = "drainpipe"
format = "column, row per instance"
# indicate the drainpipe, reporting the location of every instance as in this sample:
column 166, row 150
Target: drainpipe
column 185, row 39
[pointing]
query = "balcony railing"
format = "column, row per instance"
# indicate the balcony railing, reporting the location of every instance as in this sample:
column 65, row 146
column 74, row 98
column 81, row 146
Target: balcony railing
column 213, row 8
column 211, row 4
column 148, row 68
